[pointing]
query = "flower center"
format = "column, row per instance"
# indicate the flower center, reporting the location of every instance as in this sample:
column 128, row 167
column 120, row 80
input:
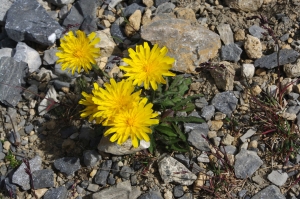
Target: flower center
column 130, row 122
column 78, row 53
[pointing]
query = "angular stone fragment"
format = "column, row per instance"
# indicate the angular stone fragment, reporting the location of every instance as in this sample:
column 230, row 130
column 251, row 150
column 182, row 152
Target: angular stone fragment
column 253, row 47
column 195, row 135
column 224, row 76
column 59, row 192
column 231, row 52
column 189, row 45
column 67, row 165
column 225, row 102
column 43, row 178
column 28, row 20
column 292, row 70
column 172, row 170
column 278, row 177
column 49, row 102
column 270, row 192
column 245, row 5
column 11, row 80
column 121, row 190
column 270, row 61
column 225, row 33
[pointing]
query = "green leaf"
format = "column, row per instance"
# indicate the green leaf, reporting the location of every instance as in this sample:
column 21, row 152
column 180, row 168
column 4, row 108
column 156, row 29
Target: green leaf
column 167, row 102
column 168, row 131
column 178, row 131
column 189, row 107
column 190, row 119
column 152, row 144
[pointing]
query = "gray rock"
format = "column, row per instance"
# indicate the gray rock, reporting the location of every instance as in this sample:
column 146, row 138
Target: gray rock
column 284, row 37
column 201, row 102
column 231, row 52
column 9, row 186
column 93, row 187
column 117, row 32
column 28, row 20
column 43, row 178
column 55, row 193
column 225, row 102
column 159, row 2
column 121, row 190
column 195, row 135
column 172, row 170
column 30, row 92
column 6, row 52
column 129, row 10
column 126, row 171
column 60, row 3
column 60, row 84
column 67, row 165
column 111, row 180
column 203, row 158
column 293, row 109
column 1, row 149
column 91, row 157
column 257, row 31
column 178, row 191
column 278, row 177
column 2, row 156
column 270, row 61
column 151, row 195
column 165, row 8
column 28, row 55
column 21, row 178
column 67, row 131
column 11, row 80
column 208, row 112
column 225, row 33
column 229, row 149
column 49, row 56
column 270, row 192
column 183, row 159
column 64, row 73
column 248, row 134
column 113, row 3
column 200, row 44
column 246, row 163
column 187, row 196
column 14, row 137
column 5, row 5
column 102, row 173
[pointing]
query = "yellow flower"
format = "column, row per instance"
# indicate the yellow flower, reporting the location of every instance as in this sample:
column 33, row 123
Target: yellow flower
column 103, row 104
column 78, row 52
column 133, row 123
column 148, row 66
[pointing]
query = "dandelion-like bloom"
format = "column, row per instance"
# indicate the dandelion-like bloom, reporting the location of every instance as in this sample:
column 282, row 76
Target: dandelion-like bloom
column 104, row 104
column 77, row 52
column 148, row 66
column 134, row 123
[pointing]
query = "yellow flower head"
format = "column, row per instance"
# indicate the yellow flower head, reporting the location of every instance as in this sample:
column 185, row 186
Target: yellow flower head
column 133, row 123
column 77, row 52
column 148, row 66
column 103, row 104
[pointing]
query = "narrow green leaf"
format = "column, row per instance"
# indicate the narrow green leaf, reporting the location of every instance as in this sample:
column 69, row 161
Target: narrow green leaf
column 190, row 119
column 165, row 130
column 178, row 131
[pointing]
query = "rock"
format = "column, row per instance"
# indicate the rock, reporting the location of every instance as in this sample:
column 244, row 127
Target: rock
column 28, row 20
column 28, row 55
column 246, row 163
column 113, row 3
column 201, row 102
column 21, row 178
column 173, row 171
column 146, row 19
column 67, row 165
column 245, row 5
column 50, row 57
column 187, row 196
column 67, row 131
column 225, row 102
column 208, row 112
column 229, row 149
column 102, row 174
column 215, row 125
column 159, row 2
column 239, row 35
column 223, row 76
column 225, row 33
column 270, row 61
column 253, row 47
column 257, row 31
column 6, row 52
column 49, row 102
column 117, row 31
column 166, row 7
column 231, row 52
column 43, row 178
column 92, row 187
column 258, row 180
column 270, row 192
column 227, row 139
column 148, row 3
column 292, row 70
column 134, row 23
column 247, row 135
column 40, row 192
column 126, row 148
column 91, row 157
column 129, row 10
column 59, row 192
column 195, row 133
column 186, row 14
column 203, row 158
column 203, row 46
column 60, row 3
column 178, row 191
column 248, row 71
column 121, row 190
column 5, row 5
column 125, row 172
column 11, row 80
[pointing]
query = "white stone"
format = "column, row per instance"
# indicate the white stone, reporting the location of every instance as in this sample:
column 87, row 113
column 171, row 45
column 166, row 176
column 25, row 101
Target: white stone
column 253, row 47
column 248, row 70
column 113, row 3
column 292, row 70
column 5, row 52
column 248, row 134
column 106, row 44
column 278, row 177
column 49, row 102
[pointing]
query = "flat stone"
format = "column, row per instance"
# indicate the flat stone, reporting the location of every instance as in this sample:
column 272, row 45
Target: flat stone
column 91, row 157
column 129, row 10
column 200, row 43
column 107, row 44
column 166, row 7
column 50, row 57
column 159, row 2
column 151, row 194
column 230, row 149
column 278, row 177
column 246, row 163
column 258, row 180
column 224, row 76
column 225, row 33
column 270, row 192
column 270, row 61
column 227, row 139
column 49, row 102
column 54, row 193
column 126, row 171
column 21, row 178
column 172, row 170
column 67, row 165
column 28, row 55
column 12, row 80
column 93, row 187
column 103, row 172
column 121, row 190
column 257, row 31
column 28, row 20
column 247, row 135
column 225, row 102
column 245, row 5
column 43, row 178
column 231, row 52
column 6, row 52
column 195, row 133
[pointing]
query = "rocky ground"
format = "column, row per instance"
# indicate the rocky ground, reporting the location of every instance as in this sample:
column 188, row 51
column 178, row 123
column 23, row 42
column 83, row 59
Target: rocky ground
column 248, row 146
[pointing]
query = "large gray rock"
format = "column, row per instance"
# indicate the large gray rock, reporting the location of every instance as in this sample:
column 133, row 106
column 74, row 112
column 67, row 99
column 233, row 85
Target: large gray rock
column 102, row 174
column 189, row 45
column 225, row 102
column 5, row 5
column 246, row 163
column 12, row 75
column 67, row 165
column 28, row 55
column 270, row 192
column 21, row 178
column 28, row 20
column 43, row 178
column 6, row 52
column 172, row 170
